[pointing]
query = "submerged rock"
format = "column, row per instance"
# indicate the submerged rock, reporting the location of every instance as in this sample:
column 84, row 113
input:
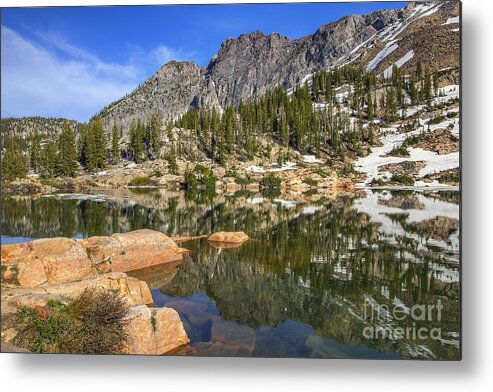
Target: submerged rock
column 238, row 237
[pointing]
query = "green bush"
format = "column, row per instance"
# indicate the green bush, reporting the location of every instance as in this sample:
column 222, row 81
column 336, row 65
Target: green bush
column 270, row 181
column 450, row 177
column 243, row 180
column 377, row 182
column 201, row 177
column 310, row 181
column 141, row 181
column 172, row 165
column 436, row 120
column 399, row 151
column 321, row 172
column 412, row 141
column 402, row 179
column 92, row 323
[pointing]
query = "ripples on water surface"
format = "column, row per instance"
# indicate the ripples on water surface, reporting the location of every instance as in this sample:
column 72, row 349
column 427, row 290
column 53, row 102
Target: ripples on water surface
column 319, row 276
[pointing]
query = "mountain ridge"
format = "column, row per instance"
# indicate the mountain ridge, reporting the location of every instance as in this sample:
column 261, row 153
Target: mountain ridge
column 249, row 65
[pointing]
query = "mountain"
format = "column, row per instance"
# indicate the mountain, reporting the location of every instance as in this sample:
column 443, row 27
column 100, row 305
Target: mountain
column 248, row 66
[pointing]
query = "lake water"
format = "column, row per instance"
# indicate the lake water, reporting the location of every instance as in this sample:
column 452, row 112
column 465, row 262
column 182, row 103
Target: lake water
column 370, row 275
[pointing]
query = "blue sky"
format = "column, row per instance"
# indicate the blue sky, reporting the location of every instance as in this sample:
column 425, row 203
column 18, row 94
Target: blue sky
column 72, row 61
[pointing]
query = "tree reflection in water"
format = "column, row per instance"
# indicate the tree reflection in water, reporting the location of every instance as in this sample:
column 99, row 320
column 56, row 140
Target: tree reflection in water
column 302, row 285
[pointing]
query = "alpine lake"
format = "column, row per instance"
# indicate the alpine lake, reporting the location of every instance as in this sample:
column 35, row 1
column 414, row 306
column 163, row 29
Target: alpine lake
column 373, row 274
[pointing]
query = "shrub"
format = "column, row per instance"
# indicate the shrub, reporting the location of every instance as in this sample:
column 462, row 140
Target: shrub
column 451, row 114
column 436, row 120
column 399, row 151
column 310, row 181
column 141, row 181
column 377, row 182
column 402, row 179
column 243, row 180
column 412, row 140
column 92, row 323
column 321, row 172
column 172, row 165
column 200, row 176
column 270, row 181
column 450, row 177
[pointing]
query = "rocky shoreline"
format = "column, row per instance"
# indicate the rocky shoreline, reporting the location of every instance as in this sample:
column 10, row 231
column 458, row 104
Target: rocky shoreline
column 44, row 270
column 54, row 269
column 298, row 176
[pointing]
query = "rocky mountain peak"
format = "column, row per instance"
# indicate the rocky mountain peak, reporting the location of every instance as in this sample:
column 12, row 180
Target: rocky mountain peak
column 249, row 65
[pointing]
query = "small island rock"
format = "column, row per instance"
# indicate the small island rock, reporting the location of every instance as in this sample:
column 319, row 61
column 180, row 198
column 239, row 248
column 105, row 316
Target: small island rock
column 238, row 237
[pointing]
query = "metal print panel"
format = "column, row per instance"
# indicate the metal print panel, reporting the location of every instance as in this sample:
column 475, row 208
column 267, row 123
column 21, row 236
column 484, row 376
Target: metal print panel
column 254, row 180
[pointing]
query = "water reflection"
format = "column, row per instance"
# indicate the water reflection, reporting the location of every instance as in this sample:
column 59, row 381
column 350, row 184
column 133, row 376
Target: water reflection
column 318, row 275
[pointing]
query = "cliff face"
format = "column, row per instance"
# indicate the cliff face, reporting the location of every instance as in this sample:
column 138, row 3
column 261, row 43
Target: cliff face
column 247, row 66
column 243, row 68
column 252, row 63
column 170, row 90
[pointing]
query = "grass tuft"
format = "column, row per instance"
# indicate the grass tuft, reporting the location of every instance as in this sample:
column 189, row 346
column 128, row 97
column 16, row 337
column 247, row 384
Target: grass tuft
column 93, row 323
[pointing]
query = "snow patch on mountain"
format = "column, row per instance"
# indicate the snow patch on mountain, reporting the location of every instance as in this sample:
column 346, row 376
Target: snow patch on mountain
column 283, row 167
column 392, row 137
column 399, row 63
column 454, row 20
column 389, row 48
column 447, row 93
column 311, row 159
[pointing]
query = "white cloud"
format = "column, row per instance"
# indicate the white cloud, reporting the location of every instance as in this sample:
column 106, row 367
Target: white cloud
column 37, row 82
column 153, row 59
column 162, row 54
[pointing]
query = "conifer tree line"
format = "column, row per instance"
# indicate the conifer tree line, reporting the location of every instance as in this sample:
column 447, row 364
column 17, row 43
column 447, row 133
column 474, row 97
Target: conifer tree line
column 309, row 119
column 14, row 162
column 92, row 149
column 50, row 158
column 59, row 157
column 145, row 139
column 293, row 119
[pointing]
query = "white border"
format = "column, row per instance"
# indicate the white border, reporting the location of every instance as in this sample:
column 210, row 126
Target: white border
column 474, row 373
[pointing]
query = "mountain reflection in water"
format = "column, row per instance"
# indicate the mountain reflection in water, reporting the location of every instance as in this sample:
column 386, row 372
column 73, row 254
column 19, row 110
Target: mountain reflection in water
column 317, row 276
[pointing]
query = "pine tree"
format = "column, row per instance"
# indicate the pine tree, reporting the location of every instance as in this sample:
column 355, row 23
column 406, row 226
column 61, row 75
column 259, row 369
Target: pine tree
column 14, row 163
column 436, row 82
column 172, row 165
column 101, row 153
column 153, row 135
column 87, row 148
column 93, row 146
column 370, row 111
column 137, row 130
column 67, row 153
column 427, row 92
column 115, row 145
column 35, row 151
column 419, row 71
column 390, row 105
column 48, row 160
column 413, row 91
column 283, row 129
